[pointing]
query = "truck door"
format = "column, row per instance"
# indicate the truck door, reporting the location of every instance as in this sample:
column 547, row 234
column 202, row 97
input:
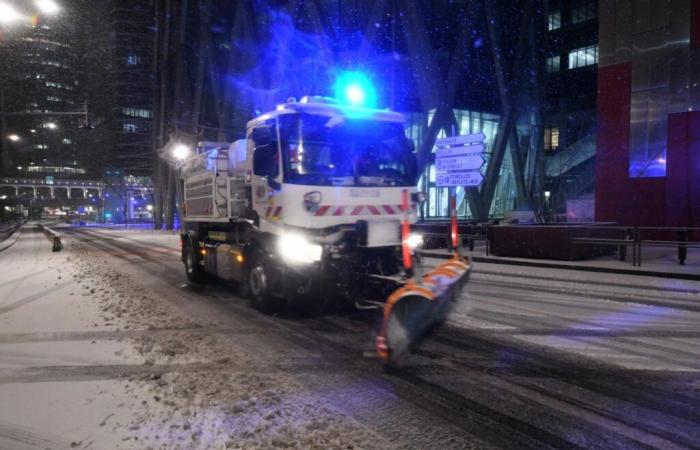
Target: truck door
column 266, row 187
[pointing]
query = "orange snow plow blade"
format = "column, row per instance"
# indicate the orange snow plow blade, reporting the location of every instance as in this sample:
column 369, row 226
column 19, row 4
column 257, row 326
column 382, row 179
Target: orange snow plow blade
column 419, row 307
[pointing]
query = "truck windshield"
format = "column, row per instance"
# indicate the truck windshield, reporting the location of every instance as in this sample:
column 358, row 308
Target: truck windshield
column 339, row 151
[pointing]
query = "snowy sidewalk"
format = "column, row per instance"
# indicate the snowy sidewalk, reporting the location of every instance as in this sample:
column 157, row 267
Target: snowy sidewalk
column 67, row 363
column 656, row 262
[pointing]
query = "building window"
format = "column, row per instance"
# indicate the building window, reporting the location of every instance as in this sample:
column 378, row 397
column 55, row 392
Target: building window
column 554, row 20
column 584, row 11
column 581, row 57
column 67, row 141
column 129, row 126
column 52, row 98
column 137, row 112
column 41, row 147
column 551, row 138
column 553, row 64
column 58, row 85
column 133, row 60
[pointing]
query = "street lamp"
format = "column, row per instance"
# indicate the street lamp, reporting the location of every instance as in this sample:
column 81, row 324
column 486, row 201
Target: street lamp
column 47, row 6
column 8, row 14
column 14, row 138
column 50, row 125
column 180, row 152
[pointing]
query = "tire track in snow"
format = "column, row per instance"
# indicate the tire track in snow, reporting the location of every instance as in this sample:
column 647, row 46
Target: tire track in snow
column 30, row 298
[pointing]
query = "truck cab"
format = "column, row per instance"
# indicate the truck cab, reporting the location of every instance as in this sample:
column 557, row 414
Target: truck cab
column 319, row 194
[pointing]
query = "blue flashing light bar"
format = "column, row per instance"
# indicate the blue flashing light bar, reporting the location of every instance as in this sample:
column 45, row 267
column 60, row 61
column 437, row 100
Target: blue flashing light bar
column 355, row 89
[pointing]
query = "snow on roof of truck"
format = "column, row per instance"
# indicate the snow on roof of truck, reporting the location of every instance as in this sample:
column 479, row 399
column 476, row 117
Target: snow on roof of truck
column 325, row 106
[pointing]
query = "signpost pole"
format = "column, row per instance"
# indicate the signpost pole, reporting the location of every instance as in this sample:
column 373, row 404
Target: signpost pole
column 452, row 246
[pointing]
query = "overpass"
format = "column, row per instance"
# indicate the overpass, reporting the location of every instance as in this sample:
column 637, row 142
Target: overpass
column 38, row 188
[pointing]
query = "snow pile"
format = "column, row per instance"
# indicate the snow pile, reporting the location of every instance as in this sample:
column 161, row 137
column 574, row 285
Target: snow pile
column 195, row 390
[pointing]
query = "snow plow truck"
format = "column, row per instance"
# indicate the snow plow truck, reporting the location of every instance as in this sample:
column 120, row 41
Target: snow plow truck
column 310, row 205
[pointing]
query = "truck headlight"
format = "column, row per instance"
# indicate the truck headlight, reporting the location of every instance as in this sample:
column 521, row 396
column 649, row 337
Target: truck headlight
column 295, row 248
column 414, row 241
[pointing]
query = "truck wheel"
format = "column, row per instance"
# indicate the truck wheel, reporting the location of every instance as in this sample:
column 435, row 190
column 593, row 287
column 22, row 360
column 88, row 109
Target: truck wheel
column 195, row 272
column 258, row 284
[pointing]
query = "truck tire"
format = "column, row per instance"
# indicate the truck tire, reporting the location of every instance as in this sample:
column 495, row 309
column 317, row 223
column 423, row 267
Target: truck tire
column 194, row 271
column 258, row 284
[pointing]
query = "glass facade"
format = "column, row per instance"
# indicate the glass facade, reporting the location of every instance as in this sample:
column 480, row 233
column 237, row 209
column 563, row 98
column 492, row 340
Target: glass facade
column 582, row 57
column 553, row 64
column 586, row 10
column 468, row 122
column 551, row 138
column 554, row 20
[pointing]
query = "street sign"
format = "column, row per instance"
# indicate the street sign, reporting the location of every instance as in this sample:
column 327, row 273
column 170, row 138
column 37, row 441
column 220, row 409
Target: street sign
column 460, row 140
column 459, row 150
column 467, row 179
column 460, row 162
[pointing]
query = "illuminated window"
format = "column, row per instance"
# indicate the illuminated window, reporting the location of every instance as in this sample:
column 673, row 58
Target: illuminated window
column 58, row 85
column 52, row 98
column 137, row 112
column 551, row 138
column 584, row 12
column 554, row 22
column 581, row 57
column 66, row 141
column 41, row 147
column 553, row 64
column 133, row 60
column 129, row 126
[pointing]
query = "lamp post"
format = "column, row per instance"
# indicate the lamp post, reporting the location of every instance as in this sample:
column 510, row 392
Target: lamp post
column 8, row 14
column 49, row 7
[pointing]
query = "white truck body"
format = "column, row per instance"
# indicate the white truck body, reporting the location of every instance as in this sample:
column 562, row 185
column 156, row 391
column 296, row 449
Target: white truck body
column 334, row 175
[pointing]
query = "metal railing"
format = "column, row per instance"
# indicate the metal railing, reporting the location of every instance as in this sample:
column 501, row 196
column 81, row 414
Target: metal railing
column 630, row 238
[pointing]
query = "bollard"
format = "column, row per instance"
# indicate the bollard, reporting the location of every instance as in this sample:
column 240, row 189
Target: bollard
column 682, row 248
column 57, row 245
column 623, row 247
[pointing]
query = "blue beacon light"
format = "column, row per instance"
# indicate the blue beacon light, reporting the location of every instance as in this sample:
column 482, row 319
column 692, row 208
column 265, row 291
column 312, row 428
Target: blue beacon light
column 355, row 89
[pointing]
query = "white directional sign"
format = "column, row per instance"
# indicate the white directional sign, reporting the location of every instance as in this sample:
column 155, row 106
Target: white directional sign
column 461, row 162
column 467, row 179
column 460, row 150
column 458, row 160
column 460, row 140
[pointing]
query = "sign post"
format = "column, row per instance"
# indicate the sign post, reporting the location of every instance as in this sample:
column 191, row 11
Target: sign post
column 458, row 162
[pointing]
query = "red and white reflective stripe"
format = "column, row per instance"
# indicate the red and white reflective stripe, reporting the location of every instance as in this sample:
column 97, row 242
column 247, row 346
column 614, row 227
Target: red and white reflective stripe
column 273, row 211
column 357, row 210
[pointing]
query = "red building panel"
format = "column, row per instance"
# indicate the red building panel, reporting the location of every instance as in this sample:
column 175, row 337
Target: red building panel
column 612, row 153
column 694, row 167
column 677, row 170
column 683, row 170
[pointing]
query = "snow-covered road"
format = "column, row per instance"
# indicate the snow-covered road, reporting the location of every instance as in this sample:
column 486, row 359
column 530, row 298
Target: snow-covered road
column 104, row 346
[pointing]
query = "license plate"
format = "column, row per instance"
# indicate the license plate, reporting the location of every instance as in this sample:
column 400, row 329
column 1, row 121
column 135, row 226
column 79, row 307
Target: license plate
column 382, row 234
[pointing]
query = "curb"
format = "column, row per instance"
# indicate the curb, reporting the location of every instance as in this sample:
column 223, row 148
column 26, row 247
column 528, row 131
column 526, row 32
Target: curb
column 14, row 237
column 544, row 265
